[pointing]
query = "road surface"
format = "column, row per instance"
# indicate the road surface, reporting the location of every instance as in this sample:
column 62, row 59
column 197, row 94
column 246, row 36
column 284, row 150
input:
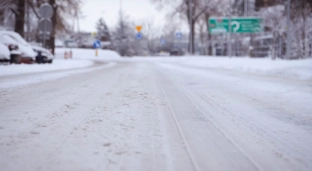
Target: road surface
column 152, row 115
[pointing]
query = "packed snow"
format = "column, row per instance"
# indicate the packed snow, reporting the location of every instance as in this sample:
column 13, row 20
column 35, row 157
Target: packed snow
column 4, row 52
column 299, row 69
column 35, row 78
column 89, row 54
column 82, row 61
column 157, row 114
column 85, row 59
column 82, row 58
column 57, row 65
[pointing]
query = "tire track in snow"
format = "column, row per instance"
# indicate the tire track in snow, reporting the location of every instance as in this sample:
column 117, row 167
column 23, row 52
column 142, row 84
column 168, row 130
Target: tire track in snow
column 181, row 91
column 261, row 130
column 191, row 156
column 257, row 167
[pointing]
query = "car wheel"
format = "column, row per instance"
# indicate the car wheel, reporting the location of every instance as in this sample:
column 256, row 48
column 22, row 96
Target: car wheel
column 18, row 59
column 45, row 60
column 12, row 60
column 37, row 60
column 50, row 61
column 15, row 59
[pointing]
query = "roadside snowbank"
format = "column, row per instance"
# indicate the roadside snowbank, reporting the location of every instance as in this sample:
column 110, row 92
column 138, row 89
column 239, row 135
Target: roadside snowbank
column 58, row 64
column 87, row 54
column 300, row 69
column 82, row 58
column 38, row 78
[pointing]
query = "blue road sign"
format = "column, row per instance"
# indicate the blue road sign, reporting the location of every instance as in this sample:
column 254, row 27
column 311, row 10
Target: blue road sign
column 139, row 36
column 97, row 44
column 179, row 35
column 162, row 41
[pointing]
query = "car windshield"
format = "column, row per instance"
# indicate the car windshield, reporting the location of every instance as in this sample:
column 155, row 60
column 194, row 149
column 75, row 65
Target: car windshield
column 7, row 39
column 17, row 38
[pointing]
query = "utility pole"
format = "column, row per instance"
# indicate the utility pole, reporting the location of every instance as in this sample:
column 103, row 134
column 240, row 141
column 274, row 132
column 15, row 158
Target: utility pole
column 28, row 21
column 246, row 8
column 288, row 31
column 191, row 25
column 246, row 14
column 230, row 31
column 77, row 20
column 54, row 22
column 122, row 30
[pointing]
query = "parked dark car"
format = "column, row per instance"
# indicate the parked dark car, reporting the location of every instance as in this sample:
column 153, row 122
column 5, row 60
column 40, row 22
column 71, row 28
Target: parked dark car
column 176, row 53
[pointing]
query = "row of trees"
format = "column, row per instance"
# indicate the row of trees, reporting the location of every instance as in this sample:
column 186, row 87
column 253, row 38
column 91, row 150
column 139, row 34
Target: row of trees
column 23, row 17
column 273, row 13
column 196, row 13
column 275, row 22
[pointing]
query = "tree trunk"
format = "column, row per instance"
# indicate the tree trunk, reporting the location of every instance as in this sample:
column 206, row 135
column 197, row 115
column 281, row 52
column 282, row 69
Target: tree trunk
column 207, row 16
column 202, row 39
column 191, row 9
column 51, row 42
column 192, row 37
column 210, row 46
column 274, row 45
column 20, row 17
column 1, row 16
column 303, row 35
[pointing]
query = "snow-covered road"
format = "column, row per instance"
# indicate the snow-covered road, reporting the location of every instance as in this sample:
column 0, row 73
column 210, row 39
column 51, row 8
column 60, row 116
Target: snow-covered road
column 155, row 115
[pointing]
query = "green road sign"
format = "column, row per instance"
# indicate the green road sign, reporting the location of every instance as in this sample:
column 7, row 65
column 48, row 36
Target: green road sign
column 239, row 25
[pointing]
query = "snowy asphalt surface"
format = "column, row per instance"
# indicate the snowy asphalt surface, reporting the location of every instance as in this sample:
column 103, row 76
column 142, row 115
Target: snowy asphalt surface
column 141, row 115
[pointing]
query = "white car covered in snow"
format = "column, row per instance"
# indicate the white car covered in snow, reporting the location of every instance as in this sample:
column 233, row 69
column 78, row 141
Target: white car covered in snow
column 43, row 55
column 11, row 45
column 27, row 52
column 4, row 53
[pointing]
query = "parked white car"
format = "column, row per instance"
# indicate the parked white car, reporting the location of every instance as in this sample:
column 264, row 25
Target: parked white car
column 12, row 46
column 4, row 53
column 43, row 55
column 25, row 48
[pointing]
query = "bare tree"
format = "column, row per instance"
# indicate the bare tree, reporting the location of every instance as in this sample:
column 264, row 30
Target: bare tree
column 214, row 9
column 301, row 27
column 19, row 13
column 195, row 8
column 102, row 30
column 190, row 10
column 122, row 35
column 3, row 6
column 62, row 9
column 149, row 31
column 274, row 22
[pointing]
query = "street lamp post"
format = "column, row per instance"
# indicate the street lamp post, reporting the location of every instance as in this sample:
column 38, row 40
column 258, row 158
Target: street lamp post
column 191, row 25
column 246, row 8
column 121, row 30
column 288, row 31
column 230, row 31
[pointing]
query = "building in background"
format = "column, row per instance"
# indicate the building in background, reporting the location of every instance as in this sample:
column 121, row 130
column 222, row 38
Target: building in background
column 244, row 7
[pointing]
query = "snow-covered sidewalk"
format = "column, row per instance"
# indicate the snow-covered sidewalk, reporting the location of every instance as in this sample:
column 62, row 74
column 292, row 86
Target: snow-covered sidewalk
column 58, row 64
column 82, row 58
column 299, row 69
column 83, row 61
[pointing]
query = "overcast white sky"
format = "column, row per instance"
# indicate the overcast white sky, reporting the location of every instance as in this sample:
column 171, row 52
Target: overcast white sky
column 137, row 10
